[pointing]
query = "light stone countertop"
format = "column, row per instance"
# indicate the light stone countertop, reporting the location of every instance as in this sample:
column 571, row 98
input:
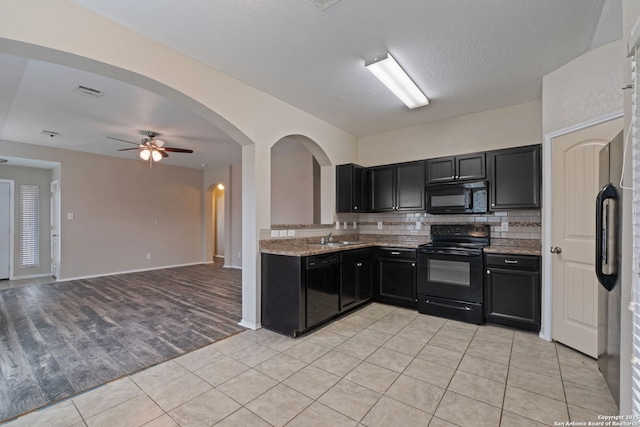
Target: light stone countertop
column 305, row 247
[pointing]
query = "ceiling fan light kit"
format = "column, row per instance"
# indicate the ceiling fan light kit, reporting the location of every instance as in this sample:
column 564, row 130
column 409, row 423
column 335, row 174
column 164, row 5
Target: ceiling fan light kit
column 151, row 148
column 389, row 72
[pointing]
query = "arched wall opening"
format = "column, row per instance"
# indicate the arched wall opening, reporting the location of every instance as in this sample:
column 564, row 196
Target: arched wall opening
column 217, row 225
column 296, row 181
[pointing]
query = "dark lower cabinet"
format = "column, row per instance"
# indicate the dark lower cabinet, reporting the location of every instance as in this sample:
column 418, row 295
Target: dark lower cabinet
column 355, row 277
column 301, row 293
column 396, row 276
column 512, row 290
column 284, row 294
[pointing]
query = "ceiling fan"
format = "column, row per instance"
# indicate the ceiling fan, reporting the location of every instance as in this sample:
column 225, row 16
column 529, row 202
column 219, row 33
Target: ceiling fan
column 151, row 148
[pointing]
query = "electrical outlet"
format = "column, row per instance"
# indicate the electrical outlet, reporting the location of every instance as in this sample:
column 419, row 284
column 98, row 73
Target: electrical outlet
column 418, row 225
column 379, row 225
column 337, row 225
column 70, row 215
column 504, row 226
column 148, row 256
column 355, row 225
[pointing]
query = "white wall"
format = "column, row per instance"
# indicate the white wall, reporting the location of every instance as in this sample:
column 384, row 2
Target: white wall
column 42, row 178
column 512, row 126
column 122, row 211
column 292, row 183
column 583, row 89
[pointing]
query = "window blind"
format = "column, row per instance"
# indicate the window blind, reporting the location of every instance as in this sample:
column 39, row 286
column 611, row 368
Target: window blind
column 635, row 140
column 29, row 232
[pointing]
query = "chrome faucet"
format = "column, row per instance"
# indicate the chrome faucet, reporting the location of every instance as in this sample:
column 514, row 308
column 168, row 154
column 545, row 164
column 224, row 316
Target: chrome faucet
column 324, row 240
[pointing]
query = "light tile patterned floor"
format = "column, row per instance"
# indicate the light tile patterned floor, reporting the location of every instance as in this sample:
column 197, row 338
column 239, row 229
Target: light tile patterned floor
column 380, row 366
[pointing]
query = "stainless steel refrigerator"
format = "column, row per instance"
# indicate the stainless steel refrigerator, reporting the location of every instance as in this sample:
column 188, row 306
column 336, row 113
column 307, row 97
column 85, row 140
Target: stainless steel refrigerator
column 608, row 259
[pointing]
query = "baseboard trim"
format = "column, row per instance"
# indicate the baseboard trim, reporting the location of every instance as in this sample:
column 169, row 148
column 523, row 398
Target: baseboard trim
column 232, row 266
column 66, row 279
column 249, row 325
column 30, row 276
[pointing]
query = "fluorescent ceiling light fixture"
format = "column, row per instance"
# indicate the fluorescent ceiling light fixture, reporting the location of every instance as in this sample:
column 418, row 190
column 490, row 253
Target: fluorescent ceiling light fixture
column 393, row 76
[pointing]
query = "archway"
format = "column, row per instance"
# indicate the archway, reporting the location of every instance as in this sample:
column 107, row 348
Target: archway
column 296, row 180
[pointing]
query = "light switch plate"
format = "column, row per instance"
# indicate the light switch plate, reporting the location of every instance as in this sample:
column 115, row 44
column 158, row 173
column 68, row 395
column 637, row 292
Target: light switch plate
column 274, row 233
column 379, row 225
column 283, row 233
column 70, row 215
column 504, row 226
column 291, row 233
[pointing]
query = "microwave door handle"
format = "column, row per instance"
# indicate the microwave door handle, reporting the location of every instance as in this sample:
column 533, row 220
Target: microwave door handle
column 469, row 199
column 605, row 237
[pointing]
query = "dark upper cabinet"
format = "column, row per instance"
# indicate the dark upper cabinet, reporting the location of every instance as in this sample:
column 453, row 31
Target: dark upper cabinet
column 351, row 188
column 398, row 187
column 515, row 177
column 456, row 168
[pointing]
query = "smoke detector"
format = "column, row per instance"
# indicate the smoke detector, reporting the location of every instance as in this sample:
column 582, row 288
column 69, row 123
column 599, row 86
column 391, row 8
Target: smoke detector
column 324, row 4
column 88, row 91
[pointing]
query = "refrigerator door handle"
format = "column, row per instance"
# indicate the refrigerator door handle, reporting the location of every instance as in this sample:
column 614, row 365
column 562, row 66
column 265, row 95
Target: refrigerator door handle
column 606, row 256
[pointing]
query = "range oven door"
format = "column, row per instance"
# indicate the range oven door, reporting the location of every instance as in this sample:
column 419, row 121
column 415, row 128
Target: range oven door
column 454, row 274
column 451, row 283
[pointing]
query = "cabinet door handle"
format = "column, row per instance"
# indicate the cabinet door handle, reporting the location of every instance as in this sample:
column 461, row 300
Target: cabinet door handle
column 355, row 208
column 413, row 264
column 395, row 253
column 510, row 261
column 488, row 271
column 359, row 264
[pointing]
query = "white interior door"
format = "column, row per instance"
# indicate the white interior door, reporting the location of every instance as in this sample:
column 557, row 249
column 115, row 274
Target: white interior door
column 5, row 229
column 575, row 159
column 55, row 225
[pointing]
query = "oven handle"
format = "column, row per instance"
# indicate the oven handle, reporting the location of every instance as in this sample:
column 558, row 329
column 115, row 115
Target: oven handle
column 449, row 252
column 465, row 308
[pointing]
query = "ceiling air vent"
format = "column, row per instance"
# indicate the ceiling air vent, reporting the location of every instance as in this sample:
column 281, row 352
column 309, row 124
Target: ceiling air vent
column 324, row 4
column 50, row 133
column 88, row 91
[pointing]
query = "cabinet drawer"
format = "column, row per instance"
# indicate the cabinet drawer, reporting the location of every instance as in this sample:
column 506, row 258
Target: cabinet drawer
column 520, row 262
column 356, row 255
column 397, row 253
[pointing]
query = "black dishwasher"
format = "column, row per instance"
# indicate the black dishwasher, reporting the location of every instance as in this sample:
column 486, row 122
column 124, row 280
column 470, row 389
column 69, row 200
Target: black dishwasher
column 323, row 288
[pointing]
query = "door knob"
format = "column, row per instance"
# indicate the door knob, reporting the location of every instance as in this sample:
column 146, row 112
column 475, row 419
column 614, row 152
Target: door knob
column 556, row 250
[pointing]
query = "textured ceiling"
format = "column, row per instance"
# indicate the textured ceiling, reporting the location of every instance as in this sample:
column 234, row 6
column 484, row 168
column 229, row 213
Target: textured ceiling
column 467, row 56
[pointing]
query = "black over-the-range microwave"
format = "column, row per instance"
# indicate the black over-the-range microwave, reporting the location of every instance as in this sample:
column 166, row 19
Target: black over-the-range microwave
column 458, row 198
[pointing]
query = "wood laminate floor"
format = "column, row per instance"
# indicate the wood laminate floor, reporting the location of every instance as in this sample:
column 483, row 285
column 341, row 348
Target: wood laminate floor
column 59, row 339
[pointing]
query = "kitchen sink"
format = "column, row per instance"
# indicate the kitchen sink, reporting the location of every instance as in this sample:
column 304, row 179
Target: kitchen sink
column 338, row 243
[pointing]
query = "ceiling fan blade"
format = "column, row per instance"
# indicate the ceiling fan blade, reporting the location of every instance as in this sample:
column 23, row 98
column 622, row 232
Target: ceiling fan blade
column 128, row 142
column 164, row 154
column 127, row 149
column 178, row 150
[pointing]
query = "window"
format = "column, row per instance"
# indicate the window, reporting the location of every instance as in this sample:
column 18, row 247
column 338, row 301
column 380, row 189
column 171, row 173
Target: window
column 635, row 297
column 29, row 245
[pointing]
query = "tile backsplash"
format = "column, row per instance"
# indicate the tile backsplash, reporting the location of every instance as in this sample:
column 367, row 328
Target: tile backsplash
column 524, row 224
